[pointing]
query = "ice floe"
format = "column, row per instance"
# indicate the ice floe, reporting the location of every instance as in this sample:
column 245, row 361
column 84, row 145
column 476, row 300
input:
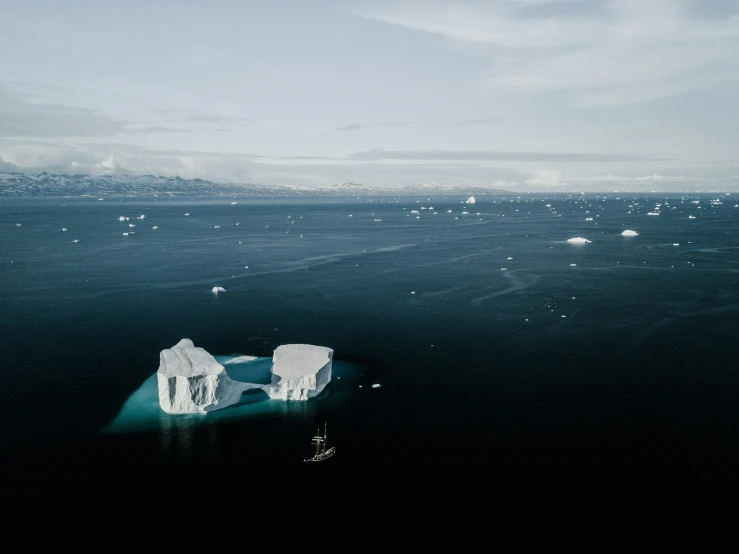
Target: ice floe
column 578, row 240
column 629, row 233
column 216, row 290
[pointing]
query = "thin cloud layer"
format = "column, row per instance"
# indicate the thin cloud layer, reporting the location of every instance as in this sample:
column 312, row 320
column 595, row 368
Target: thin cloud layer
column 597, row 52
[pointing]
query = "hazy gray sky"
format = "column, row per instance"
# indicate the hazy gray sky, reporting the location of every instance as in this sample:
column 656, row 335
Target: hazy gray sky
column 517, row 94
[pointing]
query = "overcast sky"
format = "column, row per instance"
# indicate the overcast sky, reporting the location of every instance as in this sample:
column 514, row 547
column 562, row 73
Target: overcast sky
column 527, row 95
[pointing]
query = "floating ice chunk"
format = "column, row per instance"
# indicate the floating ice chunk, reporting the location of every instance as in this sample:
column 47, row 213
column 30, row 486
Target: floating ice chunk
column 675, row 244
column 76, row 240
column 629, row 233
column 217, row 227
column 573, row 265
column 465, row 213
column 17, row 224
column 509, row 258
column 64, row 228
column 188, row 213
column 131, row 225
column 234, row 203
column 142, row 216
column 652, row 213
column 155, row 227
column 578, row 240
column 376, row 386
column 240, row 360
column 299, row 371
column 122, row 218
column 588, row 219
column 216, row 290
column 691, row 217
column 471, row 200
column 190, row 380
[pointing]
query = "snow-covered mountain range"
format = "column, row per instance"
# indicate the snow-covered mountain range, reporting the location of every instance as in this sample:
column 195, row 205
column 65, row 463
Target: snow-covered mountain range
column 66, row 184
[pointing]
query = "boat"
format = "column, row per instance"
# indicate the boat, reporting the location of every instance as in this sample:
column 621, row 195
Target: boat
column 320, row 442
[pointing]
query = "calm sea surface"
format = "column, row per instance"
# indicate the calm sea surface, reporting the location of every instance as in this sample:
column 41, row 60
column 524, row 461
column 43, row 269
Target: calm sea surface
column 494, row 340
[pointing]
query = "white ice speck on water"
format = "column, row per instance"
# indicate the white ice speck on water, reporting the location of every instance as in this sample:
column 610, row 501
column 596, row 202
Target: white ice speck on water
column 675, row 244
column 232, row 203
column 413, row 292
column 131, row 225
column 376, row 385
column 509, row 258
column 155, row 227
column 653, row 213
column 64, row 228
column 142, row 216
column 17, row 224
column 217, row 227
column 125, row 234
column 629, row 233
column 691, row 217
column 573, row 265
column 216, row 290
column 578, row 240
column 188, row 213
column 121, row 218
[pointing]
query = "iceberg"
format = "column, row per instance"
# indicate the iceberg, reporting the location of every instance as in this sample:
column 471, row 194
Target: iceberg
column 190, row 380
column 629, row 233
column 578, row 240
column 216, row 290
column 299, row 371
column 471, row 200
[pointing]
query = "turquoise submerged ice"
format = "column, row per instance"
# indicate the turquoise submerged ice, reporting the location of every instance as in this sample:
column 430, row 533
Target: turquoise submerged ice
column 190, row 380
column 143, row 411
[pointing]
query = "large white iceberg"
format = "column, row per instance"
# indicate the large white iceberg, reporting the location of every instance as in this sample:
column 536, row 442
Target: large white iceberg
column 299, row 371
column 629, row 233
column 471, row 200
column 190, row 380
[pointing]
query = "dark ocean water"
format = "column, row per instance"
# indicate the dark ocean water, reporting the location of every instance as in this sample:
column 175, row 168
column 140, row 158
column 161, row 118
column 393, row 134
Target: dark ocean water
column 495, row 341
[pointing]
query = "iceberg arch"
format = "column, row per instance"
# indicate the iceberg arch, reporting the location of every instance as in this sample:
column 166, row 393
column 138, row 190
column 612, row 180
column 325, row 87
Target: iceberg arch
column 190, row 380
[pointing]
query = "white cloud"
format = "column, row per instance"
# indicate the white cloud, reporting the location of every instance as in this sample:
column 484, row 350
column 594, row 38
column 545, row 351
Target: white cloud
column 627, row 51
column 546, row 178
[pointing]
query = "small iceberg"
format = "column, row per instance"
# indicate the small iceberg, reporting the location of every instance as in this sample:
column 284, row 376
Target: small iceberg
column 471, row 200
column 122, row 218
column 578, row 240
column 629, row 233
column 76, row 240
column 376, row 386
column 64, row 228
column 125, row 234
column 142, row 216
column 691, row 217
column 155, row 227
column 232, row 203
column 653, row 213
column 216, row 290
